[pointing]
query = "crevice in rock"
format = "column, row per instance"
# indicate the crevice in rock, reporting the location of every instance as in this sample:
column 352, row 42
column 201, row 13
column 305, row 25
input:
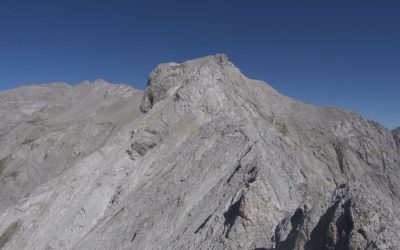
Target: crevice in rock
column 363, row 233
column 202, row 225
column 115, row 199
column 251, row 175
column 239, row 165
column 231, row 215
column 134, row 236
column 117, row 213
column 147, row 101
column 251, row 180
column 130, row 154
column 234, row 172
column 177, row 96
column 142, row 148
column 340, row 156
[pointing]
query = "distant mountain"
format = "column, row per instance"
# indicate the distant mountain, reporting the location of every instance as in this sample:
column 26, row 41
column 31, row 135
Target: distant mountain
column 204, row 158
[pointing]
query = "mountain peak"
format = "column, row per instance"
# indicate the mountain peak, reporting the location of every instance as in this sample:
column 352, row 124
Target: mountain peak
column 205, row 158
column 168, row 77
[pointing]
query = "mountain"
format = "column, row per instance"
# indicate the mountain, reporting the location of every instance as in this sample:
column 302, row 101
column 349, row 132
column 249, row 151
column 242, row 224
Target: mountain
column 204, row 158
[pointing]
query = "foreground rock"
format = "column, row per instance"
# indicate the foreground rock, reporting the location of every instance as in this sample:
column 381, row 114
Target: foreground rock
column 213, row 161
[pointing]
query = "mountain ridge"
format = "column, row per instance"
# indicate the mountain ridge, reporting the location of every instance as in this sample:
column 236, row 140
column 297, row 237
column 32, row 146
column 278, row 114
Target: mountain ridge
column 204, row 158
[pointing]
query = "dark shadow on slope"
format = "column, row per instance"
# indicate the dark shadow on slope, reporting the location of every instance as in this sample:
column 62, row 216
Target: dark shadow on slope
column 296, row 221
column 231, row 215
column 320, row 236
column 344, row 225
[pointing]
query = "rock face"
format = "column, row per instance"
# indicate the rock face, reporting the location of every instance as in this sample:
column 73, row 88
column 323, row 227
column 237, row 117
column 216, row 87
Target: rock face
column 396, row 135
column 205, row 158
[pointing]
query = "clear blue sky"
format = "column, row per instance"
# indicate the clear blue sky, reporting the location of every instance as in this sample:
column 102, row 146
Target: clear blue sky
column 339, row 53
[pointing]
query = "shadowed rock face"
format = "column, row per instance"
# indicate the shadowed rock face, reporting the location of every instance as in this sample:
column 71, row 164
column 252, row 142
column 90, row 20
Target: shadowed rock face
column 205, row 158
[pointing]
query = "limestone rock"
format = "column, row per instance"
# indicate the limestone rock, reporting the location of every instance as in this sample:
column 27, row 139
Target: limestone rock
column 205, row 158
column 352, row 218
column 45, row 129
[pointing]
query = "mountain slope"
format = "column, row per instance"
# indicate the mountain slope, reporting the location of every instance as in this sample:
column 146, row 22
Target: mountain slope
column 45, row 129
column 214, row 160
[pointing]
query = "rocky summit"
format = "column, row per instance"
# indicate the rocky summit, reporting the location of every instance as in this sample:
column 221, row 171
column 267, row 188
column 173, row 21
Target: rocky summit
column 204, row 158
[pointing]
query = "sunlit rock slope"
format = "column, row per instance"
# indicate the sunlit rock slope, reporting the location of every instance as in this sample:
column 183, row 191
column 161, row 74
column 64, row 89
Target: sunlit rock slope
column 204, row 158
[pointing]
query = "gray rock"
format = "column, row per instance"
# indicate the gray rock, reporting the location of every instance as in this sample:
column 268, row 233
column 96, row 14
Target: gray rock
column 45, row 129
column 352, row 218
column 396, row 135
column 214, row 160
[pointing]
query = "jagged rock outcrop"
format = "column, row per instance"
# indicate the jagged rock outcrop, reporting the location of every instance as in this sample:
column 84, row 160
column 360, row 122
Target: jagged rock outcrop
column 214, row 160
column 352, row 218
